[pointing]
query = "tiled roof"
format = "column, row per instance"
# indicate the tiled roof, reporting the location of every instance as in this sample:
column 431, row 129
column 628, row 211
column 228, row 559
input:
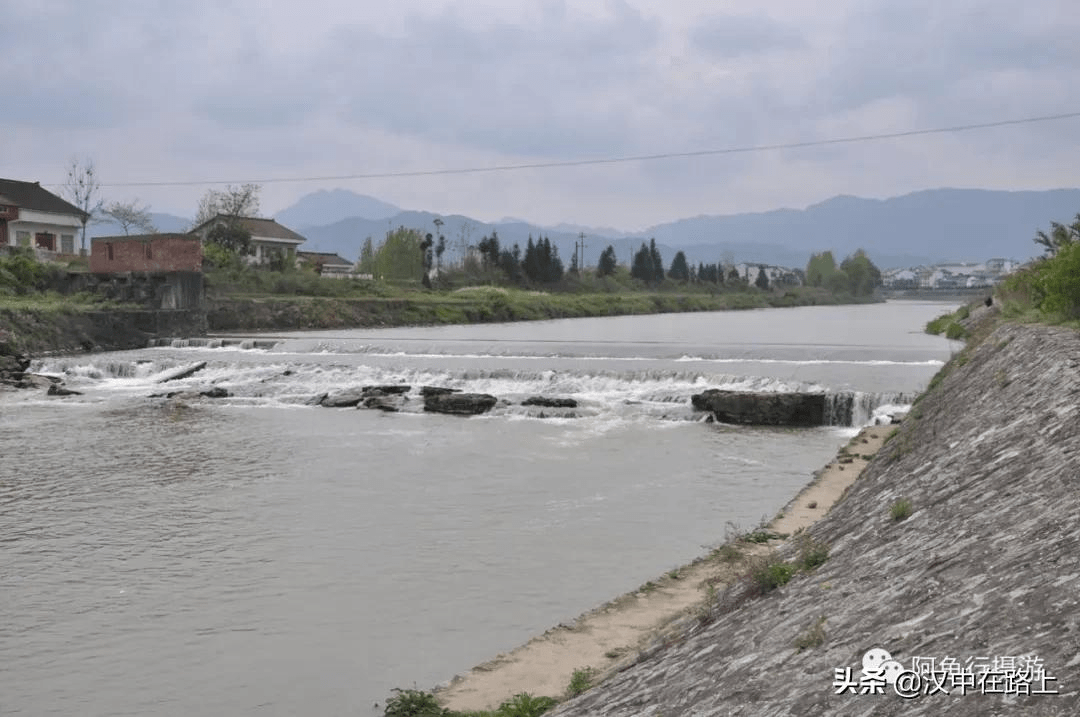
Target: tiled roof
column 321, row 257
column 265, row 228
column 31, row 195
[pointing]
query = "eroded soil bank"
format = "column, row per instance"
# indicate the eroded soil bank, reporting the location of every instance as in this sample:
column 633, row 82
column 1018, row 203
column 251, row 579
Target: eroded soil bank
column 985, row 567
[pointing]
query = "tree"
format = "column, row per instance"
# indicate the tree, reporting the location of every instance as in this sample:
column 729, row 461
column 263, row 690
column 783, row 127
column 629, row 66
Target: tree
column 427, row 258
column 820, row 268
column 642, row 268
column 762, row 281
column 231, row 237
column 231, row 203
column 82, row 190
column 129, row 215
column 862, row 276
column 657, row 262
column 367, row 257
column 400, row 256
column 607, row 264
column 1060, row 236
column 680, row 270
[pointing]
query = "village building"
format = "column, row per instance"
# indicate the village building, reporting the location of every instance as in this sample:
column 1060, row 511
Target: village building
column 268, row 238
column 145, row 253
column 32, row 216
column 326, row 264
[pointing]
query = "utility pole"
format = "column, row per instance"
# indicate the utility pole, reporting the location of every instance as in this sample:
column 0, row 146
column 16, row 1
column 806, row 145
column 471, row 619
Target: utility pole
column 579, row 248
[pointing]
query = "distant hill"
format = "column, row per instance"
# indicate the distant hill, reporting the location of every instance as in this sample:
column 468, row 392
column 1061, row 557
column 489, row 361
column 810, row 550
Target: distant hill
column 328, row 206
column 932, row 226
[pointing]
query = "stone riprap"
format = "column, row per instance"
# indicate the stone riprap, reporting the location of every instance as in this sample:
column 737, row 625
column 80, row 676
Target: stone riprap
column 986, row 566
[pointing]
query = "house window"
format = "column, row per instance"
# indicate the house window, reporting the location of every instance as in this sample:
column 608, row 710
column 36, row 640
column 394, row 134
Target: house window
column 67, row 243
column 108, row 252
column 22, row 238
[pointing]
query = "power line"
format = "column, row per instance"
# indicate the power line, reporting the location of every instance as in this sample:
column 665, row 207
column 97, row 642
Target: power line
column 614, row 160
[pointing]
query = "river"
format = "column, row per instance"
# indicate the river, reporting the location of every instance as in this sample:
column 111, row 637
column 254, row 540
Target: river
column 258, row 555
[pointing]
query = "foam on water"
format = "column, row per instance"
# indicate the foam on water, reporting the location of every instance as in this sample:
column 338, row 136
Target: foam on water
column 656, row 394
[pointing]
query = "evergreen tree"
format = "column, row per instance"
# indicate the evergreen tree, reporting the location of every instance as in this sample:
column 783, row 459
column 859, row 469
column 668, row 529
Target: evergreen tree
column 657, row 262
column 762, row 281
column 642, row 268
column 679, row 270
column 607, row 264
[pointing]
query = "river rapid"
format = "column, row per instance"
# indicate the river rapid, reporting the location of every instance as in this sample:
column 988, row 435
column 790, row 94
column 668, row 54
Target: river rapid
column 260, row 555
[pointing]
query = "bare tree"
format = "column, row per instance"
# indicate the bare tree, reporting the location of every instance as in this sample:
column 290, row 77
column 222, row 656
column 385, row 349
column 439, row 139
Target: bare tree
column 129, row 215
column 231, row 203
column 82, row 190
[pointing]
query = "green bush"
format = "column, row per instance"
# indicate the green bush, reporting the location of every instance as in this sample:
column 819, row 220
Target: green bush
column 812, row 553
column 580, row 681
column 938, row 325
column 525, row 705
column 414, row 703
column 1060, row 283
column 768, row 573
column 955, row 331
column 900, row 510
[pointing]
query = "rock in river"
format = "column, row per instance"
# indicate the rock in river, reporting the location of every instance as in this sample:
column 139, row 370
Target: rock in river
column 462, row 404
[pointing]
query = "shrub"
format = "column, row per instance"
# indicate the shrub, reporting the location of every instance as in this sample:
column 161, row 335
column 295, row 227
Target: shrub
column 580, row 681
column 936, row 326
column 1060, row 281
column 814, row 636
column 414, row 703
column 768, row 573
column 812, row 553
column 955, row 331
column 525, row 705
column 900, row 510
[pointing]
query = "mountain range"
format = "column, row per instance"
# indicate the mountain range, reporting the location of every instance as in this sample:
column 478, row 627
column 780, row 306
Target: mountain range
column 925, row 227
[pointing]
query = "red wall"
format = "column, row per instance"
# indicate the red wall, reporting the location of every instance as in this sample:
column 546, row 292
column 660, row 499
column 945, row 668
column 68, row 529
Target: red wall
column 167, row 252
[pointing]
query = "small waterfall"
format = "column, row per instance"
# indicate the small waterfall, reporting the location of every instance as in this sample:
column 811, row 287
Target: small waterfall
column 858, row 408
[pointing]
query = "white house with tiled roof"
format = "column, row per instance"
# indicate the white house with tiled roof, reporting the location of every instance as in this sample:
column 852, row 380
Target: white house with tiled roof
column 268, row 238
column 32, row 216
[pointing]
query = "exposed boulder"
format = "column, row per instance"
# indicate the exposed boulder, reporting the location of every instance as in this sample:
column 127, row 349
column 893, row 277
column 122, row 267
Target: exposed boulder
column 426, row 391
column 462, row 404
column 343, row 399
column 182, row 372
column 215, row 392
column 34, row 380
column 390, row 404
column 548, row 402
column 393, row 389
column 763, row 409
column 58, row 390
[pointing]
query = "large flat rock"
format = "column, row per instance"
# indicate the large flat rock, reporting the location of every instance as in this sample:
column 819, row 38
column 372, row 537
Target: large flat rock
column 763, row 408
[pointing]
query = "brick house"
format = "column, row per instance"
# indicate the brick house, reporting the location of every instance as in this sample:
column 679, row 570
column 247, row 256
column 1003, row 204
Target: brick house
column 31, row 216
column 145, row 253
column 268, row 238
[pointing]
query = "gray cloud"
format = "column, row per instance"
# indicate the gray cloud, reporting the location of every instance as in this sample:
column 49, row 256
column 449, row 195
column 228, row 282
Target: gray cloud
column 730, row 36
column 240, row 89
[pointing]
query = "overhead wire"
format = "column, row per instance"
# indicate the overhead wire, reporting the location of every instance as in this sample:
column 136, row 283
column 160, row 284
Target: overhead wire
column 554, row 164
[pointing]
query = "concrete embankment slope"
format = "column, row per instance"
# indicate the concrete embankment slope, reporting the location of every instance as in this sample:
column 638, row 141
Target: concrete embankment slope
column 71, row 329
column 987, row 566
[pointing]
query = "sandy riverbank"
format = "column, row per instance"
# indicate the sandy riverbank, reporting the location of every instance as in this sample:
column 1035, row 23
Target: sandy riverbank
column 610, row 637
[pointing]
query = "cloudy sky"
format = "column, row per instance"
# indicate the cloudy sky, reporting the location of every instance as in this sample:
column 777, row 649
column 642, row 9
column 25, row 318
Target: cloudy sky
column 236, row 90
